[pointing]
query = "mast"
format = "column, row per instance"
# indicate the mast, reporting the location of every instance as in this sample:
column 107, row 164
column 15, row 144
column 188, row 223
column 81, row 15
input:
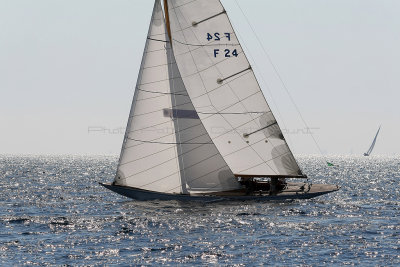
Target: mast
column 167, row 23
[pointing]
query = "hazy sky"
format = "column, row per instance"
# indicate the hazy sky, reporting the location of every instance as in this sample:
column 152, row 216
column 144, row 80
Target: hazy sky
column 68, row 70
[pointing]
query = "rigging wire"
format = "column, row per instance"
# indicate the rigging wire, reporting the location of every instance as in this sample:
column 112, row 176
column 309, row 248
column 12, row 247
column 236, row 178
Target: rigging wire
column 205, row 45
column 281, row 80
column 168, row 143
column 162, row 93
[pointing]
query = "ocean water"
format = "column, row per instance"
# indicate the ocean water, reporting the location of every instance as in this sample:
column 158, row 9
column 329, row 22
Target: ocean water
column 53, row 212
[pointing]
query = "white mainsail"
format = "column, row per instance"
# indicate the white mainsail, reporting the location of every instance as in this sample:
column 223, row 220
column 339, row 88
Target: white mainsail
column 166, row 147
column 373, row 143
column 225, row 93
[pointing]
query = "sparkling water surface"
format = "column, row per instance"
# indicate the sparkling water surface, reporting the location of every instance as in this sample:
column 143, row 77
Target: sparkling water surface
column 53, row 212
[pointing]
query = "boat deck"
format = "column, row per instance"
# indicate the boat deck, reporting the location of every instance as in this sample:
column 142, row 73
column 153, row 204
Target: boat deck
column 292, row 188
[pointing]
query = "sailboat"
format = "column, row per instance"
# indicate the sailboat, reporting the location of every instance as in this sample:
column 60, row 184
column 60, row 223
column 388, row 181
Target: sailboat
column 373, row 144
column 200, row 128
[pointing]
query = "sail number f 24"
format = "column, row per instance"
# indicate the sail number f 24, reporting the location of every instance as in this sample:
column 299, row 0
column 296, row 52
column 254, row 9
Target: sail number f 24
column 217, row 37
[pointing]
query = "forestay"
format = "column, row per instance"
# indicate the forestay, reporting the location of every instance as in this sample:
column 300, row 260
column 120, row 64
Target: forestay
column 225, row 92
column 166, row 148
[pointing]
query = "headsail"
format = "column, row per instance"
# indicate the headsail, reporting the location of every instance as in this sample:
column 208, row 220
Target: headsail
column 166, row 148
column 225, row 92
column 373, row 143
column 147, row 165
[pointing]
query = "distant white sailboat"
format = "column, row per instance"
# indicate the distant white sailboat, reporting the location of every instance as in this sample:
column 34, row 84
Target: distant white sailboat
column 200, row 127
column 371, row 148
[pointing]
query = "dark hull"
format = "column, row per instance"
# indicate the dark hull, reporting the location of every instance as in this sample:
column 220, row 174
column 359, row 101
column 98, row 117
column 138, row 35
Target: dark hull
column 144, row 195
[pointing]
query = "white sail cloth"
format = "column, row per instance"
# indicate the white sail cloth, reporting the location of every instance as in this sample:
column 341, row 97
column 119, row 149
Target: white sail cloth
column 166, row 148
column 225, row 92
column 371, row 148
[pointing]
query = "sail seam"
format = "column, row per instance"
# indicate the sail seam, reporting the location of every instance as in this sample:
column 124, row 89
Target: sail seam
column 157, row 40
column 203, row 45
column 182, row 4
column 155, row 66
column 199, row 46
column 153, row 97
column 156, row 50
column 156, row 34
column 149, row 98
column 163, row 93
column 164, row 80
column 167, row 143
column 231, row 113
column 158, row 124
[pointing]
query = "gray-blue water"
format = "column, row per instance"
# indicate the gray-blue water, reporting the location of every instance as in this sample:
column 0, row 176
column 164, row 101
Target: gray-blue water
column 53, row 212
